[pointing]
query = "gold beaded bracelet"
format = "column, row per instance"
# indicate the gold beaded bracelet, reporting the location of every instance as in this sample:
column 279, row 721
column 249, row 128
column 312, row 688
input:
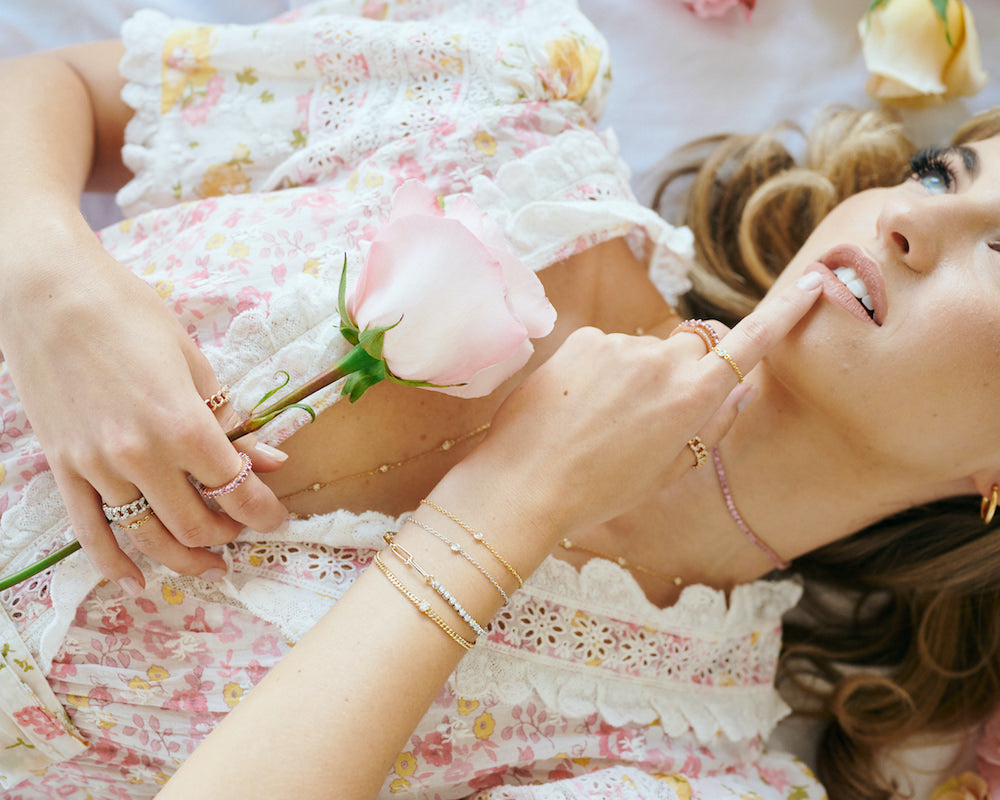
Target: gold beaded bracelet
column 479, row 538
column 422, row 605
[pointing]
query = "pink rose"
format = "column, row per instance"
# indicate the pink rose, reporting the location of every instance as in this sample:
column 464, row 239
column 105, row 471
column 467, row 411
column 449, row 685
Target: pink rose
column 716, row 8
column 460, row 306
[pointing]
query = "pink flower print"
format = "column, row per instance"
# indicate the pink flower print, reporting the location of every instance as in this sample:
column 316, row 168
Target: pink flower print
column 194, row 698
column 407, row 168
column 777, row 778
column 303, row 102
column 196, row 622
column 117, row 620
column 249, row 297
column 433, row 748
column 196, row 111
column 256, row 671
column 41, row 723
column 374, row 9
column 692, row 767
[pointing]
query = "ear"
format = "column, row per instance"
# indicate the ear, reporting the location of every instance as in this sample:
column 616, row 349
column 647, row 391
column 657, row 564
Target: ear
column 985, row 480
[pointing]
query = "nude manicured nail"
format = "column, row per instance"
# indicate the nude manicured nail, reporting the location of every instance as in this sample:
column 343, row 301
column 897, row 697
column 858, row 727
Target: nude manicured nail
column 271, row 452
column 809, row 281
column 131, row 586
column 748, row 396
column 215, row 574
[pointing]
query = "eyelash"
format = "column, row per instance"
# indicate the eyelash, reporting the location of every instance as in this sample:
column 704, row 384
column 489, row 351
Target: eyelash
column 931, row 162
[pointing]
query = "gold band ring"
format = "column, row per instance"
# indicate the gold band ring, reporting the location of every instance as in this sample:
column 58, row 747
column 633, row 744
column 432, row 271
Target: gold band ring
column 701, row 329
column 729, row 360
column 700, row 451
column 131, row 526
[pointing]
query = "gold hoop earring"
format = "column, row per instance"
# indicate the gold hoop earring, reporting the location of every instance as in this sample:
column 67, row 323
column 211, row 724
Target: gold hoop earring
column 989, row 505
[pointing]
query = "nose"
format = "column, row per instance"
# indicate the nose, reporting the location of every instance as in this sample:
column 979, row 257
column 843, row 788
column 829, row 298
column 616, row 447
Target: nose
column 910, row 231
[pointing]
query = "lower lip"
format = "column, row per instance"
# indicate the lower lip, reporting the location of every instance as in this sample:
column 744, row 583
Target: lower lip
column 837, row 293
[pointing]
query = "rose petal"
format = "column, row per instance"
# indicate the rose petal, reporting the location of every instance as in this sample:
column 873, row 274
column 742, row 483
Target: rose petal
column 456, row 319
column 907, row 51
column 414, row 198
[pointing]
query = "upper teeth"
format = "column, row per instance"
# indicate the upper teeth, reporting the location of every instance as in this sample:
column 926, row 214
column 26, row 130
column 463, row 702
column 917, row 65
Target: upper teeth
column 857, row 286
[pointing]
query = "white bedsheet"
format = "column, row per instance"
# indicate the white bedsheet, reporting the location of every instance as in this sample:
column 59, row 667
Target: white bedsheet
column 676, row 77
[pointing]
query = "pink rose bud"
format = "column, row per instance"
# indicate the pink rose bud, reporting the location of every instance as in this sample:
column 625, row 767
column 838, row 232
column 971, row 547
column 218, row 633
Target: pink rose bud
column 465, row 305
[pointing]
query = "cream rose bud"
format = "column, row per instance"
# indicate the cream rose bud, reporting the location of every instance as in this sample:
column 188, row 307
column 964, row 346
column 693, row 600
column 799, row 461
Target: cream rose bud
column 915, row 57
column 465, row 305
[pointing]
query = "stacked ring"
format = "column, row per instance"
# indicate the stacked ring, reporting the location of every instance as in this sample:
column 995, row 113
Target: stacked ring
column 235, row 483
column 700, row 451
column 701, row 329
column 118, row 513
column 138, row 522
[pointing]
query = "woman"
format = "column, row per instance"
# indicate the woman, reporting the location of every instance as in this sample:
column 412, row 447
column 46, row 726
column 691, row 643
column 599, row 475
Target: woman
column 607, row 464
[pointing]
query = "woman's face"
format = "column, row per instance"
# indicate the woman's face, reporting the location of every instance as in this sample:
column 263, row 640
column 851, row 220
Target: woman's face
column 910, row 373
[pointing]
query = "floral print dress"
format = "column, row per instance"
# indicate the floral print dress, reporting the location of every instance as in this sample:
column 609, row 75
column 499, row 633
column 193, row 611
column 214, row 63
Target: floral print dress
column 262, row 154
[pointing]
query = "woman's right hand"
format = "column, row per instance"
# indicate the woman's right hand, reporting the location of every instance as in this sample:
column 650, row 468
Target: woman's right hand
column 605, row 422
column 115, row 391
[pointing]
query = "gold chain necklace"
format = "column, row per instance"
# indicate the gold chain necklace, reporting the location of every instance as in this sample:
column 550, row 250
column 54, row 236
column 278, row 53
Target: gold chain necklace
column 443, row 447
column 621, row 561
column 381, row 469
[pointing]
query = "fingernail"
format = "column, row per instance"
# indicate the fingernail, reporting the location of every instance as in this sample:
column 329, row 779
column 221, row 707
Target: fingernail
column 271, row 452
column 131, row 586
column 748, row 395
column 809, row 281
column 215, row 574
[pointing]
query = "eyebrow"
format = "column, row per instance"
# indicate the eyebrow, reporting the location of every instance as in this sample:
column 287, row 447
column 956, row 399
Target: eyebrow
column 970, row 158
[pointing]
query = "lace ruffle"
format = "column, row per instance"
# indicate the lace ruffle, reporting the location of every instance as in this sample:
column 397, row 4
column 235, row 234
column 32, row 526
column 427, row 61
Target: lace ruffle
column 590, row 641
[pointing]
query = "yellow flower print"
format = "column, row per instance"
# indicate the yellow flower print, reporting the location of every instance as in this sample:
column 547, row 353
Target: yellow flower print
column 483, row 726
column 149, row 269
column 448, row 64
column 138, row 683
column 678, row 783
column 467, row 706
column 185, row 65
column 125, row 225
column 575, row 66
column 164, row 289
column 405, row 765
column 232, row 693
column 157, row 673
column 226, row 178
column 373, row 179
column 486, row 144
column 399, row 786
column 352, row 181
column 311, row 267
column 78, row 700
column 239, row 250
column 215, row 242
column 173, row 596
column 3, row 472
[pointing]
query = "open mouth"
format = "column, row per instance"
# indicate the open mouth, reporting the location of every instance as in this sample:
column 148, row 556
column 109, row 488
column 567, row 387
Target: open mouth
column 856, row 286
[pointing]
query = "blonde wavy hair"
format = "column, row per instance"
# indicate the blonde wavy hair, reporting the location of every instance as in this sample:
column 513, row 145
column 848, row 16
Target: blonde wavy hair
column 917, row 650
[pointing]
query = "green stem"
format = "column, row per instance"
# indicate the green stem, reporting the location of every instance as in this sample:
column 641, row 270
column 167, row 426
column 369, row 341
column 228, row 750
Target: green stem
column 352, row 362
column 38, row 566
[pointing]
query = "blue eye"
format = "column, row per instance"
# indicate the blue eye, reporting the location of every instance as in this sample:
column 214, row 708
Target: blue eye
column 931, row 170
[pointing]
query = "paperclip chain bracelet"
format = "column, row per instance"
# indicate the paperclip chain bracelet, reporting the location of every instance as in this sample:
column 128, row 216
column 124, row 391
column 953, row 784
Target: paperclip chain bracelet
column 479, row 538
column 407, row 558
column 457, row 548
column 422, row 605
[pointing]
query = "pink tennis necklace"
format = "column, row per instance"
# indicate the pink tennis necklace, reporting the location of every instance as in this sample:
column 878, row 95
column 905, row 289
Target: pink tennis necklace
column 727, row 495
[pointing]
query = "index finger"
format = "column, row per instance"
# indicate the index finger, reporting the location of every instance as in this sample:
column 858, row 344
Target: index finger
column 760, row 330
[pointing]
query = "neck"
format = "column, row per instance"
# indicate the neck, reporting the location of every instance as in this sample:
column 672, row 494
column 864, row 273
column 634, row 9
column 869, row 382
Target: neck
column 798, row 484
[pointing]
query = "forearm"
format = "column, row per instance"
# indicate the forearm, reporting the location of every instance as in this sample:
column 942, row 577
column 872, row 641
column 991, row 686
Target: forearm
column 332, row 717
